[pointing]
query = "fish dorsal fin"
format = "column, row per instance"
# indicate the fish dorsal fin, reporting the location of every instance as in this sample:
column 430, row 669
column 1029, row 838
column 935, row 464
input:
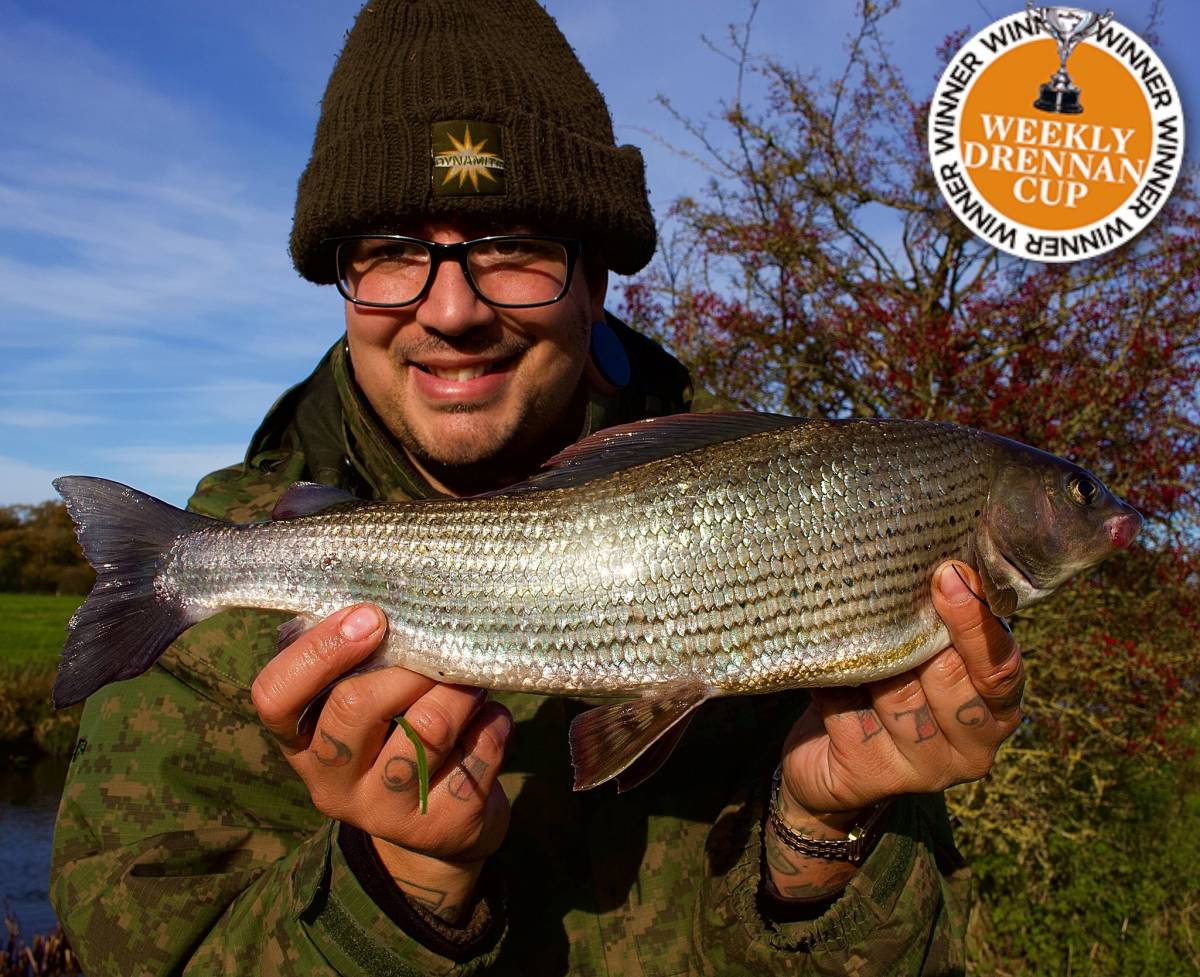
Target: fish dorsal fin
column 637, row 736
column 640, row 442
column 309, row 498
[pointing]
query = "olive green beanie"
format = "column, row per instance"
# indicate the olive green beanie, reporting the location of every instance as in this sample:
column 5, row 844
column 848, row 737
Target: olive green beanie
column 476, row 108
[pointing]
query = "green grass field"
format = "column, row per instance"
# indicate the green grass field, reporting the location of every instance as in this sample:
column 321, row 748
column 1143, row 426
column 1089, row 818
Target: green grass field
column 32, row 627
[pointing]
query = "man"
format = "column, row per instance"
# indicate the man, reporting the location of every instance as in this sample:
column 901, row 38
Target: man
column 465, row 195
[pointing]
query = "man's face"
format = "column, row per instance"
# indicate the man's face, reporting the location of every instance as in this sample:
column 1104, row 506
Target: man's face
column 476, row 395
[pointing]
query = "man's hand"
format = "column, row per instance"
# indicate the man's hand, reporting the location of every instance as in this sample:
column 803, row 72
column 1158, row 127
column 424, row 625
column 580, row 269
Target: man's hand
column 360, row 770
column 926, row 729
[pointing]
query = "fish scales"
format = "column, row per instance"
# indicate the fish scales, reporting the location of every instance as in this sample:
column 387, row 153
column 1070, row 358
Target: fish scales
column 670, row 560
column 813, row 570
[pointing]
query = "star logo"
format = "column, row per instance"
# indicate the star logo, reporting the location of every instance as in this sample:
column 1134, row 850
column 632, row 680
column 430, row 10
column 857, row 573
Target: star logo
column 464, row 164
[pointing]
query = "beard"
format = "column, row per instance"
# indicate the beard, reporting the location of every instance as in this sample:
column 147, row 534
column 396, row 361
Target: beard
column 468, row 466
column 476, row 448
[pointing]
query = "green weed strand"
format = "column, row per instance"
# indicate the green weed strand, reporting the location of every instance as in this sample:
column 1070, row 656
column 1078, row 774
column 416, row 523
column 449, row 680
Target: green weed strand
column 422, row 762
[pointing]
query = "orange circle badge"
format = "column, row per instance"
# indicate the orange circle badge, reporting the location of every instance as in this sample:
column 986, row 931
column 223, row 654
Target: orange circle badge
column 1056, row 134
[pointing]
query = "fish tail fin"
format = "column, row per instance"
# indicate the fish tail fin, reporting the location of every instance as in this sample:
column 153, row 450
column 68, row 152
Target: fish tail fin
column 127, row 622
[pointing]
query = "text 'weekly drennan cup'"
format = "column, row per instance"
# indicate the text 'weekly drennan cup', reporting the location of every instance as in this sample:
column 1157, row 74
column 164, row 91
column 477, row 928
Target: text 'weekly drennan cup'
column 1068, row 26
column 1064, row 177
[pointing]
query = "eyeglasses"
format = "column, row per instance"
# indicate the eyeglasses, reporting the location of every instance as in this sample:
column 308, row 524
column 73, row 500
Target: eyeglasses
column 511, row 271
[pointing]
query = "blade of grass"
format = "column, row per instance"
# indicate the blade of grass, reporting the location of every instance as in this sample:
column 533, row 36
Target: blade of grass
column 422, row 762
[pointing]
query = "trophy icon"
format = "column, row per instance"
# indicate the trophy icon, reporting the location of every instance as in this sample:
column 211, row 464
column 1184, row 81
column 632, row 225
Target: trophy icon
column 1068, row 26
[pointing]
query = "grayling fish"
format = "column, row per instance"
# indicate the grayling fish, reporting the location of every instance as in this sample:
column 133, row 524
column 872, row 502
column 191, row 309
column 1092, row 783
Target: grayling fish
column 672, row 560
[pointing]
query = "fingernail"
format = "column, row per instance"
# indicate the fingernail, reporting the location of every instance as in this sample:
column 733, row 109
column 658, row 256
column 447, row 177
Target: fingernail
column 360, row 623
column 952, row 585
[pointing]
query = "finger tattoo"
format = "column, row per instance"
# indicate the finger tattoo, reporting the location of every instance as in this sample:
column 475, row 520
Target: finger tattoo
column 973, row 713
column 926, row 728
column 338, row 754
column 868, row 719
column 465, row 778
column 400, row 774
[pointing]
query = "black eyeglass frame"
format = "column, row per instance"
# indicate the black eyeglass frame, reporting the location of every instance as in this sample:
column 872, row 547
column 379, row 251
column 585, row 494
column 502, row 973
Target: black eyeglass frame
column 454, row 252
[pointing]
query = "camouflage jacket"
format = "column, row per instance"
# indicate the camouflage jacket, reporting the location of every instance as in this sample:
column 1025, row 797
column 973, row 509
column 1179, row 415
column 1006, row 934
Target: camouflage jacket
column 186, row 845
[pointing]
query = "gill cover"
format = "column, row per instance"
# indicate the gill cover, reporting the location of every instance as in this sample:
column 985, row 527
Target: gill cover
column 1045, row 520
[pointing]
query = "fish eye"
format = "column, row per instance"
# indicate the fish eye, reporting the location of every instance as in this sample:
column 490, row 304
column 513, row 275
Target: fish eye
column 1083, row 490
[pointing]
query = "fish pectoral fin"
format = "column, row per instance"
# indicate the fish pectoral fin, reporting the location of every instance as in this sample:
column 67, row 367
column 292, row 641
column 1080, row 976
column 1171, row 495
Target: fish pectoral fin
column 630, row 740
column 1001, row 600
column 655, row 755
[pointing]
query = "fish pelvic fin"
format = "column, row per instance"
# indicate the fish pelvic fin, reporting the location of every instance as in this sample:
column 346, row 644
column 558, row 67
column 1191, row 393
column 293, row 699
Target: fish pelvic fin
column 127, row 622
column 631, row 740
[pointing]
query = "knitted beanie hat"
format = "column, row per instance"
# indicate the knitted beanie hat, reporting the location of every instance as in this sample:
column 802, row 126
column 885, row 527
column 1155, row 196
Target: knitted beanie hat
column 478, row 108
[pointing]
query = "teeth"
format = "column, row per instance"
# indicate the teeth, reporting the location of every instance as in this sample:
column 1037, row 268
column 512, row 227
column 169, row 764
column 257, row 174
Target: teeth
column 466, row 373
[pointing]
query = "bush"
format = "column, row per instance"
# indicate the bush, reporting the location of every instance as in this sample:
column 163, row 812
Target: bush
column 29, row 725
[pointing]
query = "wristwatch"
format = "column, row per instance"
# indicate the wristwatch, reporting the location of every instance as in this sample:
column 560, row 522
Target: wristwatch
column 853, row 848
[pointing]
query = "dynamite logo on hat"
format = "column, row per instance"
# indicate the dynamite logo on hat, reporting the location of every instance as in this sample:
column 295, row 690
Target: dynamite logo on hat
column 467, row 159
column 1060, row 178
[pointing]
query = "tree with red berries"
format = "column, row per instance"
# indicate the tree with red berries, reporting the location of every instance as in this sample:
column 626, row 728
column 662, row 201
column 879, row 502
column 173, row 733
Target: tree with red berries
column 822, row 273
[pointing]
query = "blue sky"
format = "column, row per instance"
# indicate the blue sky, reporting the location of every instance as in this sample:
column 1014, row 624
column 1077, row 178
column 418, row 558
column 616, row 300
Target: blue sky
column 149, row 314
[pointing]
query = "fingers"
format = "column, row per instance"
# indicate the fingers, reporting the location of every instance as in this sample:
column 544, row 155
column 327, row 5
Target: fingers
column 439, row 718
column 988, row 649
column 827, row 760
column 296, row 676
column 970, row 727
column 468, row 810
column 898, row 737
column 482, row 750
column 361, row 768
column 350, row 732
column 923, row 730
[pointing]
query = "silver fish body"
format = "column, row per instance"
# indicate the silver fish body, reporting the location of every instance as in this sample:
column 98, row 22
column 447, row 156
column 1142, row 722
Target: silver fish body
column 766, row 554
column 800, row 556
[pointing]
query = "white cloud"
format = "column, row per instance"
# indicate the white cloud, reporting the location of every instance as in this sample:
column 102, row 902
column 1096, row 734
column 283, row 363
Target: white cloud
column 175, row 465
column 37, row 418
column 122, row 203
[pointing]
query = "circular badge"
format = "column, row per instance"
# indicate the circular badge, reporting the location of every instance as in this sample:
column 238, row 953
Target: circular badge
column 1056, row 134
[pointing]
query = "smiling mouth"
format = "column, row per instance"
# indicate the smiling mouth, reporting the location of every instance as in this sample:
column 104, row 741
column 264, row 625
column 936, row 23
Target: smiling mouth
column 462, row 374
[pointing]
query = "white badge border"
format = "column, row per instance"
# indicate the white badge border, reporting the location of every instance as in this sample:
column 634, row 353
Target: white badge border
column 1025, row 233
